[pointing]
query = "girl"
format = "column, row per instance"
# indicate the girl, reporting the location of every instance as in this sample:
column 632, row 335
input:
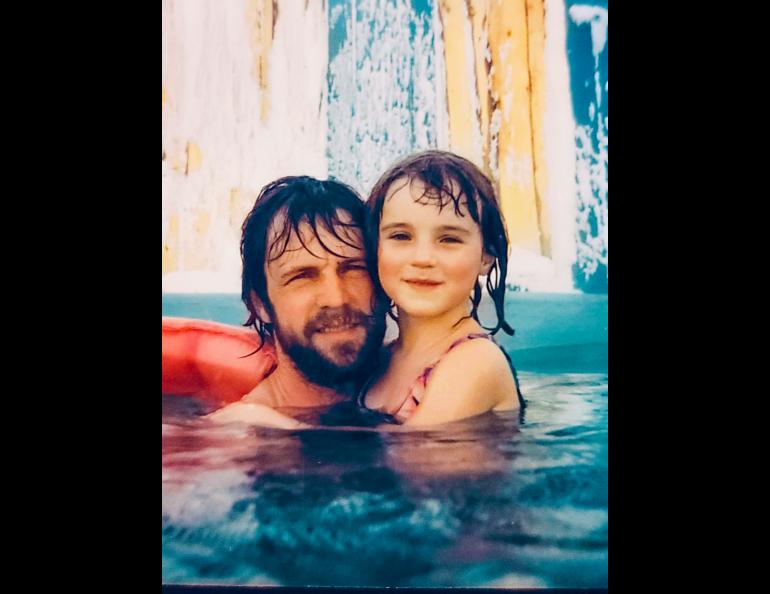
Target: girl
column 435, row 226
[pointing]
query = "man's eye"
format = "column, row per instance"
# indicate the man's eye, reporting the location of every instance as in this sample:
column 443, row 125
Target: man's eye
column 299, row 276
column 354, row 267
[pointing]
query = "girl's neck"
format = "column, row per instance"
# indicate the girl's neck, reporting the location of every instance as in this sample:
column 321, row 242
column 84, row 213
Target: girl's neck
column 418, row 335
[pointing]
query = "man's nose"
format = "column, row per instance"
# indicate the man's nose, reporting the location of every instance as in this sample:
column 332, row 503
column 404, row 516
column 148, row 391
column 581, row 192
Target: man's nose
column 333, row 291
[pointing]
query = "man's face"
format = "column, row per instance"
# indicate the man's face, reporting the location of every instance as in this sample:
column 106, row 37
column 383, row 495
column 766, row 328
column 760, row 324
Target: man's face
column 321, row 303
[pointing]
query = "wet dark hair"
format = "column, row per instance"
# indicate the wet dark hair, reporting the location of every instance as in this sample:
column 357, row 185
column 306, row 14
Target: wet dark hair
column 438, row 170
column 301, row 200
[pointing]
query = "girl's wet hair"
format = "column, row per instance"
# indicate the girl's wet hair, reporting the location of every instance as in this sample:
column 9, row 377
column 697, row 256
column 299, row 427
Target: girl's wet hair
column 281, row 208
column 449, row 179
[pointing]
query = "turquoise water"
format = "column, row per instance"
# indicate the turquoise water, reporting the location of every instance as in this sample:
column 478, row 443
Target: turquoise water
column 554, row 332
column 491, row 501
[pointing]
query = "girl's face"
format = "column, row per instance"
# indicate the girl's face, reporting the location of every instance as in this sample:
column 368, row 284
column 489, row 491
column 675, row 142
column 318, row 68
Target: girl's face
column 428, row 261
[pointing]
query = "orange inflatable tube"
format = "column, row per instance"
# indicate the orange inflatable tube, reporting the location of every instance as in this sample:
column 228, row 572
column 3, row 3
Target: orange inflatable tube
column 207, row 359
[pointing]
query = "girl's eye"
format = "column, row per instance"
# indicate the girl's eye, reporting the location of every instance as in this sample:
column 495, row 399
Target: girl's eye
column 450, row 239
column 399, row 236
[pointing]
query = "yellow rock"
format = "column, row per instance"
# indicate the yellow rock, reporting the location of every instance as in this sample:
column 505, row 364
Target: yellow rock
column 194, row 158
column 494, row 56
column 509, row 48
column 171, row 246
column 261, row 15
column 464, row 134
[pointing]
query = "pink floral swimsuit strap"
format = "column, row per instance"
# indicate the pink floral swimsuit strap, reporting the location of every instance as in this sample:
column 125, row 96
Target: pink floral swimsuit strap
column 417, row 389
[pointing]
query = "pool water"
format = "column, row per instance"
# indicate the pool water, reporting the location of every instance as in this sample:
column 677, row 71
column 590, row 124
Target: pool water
column 501, row 499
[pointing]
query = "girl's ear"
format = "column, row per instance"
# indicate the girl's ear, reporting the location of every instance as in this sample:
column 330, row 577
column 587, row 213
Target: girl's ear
column 261, row 310
column 486, row 263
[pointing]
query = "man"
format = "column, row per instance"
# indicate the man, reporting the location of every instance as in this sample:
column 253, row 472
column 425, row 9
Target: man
column 310, row 298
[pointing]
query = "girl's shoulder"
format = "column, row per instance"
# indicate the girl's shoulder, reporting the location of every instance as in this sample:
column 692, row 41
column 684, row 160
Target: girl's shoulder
column 471, row 378
column 476, row 363
column 474, row 351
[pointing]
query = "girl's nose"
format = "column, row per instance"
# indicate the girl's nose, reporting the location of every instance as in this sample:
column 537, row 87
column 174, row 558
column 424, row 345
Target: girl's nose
column 423, row 256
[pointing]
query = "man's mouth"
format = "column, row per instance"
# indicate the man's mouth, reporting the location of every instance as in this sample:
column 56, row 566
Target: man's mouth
column 341, row 321
column 337, row 328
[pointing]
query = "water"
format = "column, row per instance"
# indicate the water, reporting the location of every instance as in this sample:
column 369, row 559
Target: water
column 496, row 500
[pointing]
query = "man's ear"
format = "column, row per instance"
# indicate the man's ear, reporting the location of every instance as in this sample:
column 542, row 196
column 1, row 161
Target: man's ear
column 486, row 263
column 261, row 310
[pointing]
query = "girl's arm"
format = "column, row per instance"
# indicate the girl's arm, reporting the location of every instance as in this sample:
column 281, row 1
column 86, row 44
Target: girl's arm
column 471, row 379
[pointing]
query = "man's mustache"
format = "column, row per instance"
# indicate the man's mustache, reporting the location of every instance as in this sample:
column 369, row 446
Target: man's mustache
column 333, row 318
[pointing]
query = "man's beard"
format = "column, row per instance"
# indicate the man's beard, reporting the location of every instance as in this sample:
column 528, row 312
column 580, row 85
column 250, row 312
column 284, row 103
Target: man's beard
column 319, row 369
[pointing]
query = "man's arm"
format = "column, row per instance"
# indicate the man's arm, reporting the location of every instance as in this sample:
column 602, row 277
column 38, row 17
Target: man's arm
column 255, row 414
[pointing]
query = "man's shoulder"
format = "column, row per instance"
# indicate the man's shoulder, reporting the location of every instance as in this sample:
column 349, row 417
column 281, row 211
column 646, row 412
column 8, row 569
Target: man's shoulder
column 261, row 394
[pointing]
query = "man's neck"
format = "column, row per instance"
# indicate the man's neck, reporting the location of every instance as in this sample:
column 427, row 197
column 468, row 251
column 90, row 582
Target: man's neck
column 288, row 387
